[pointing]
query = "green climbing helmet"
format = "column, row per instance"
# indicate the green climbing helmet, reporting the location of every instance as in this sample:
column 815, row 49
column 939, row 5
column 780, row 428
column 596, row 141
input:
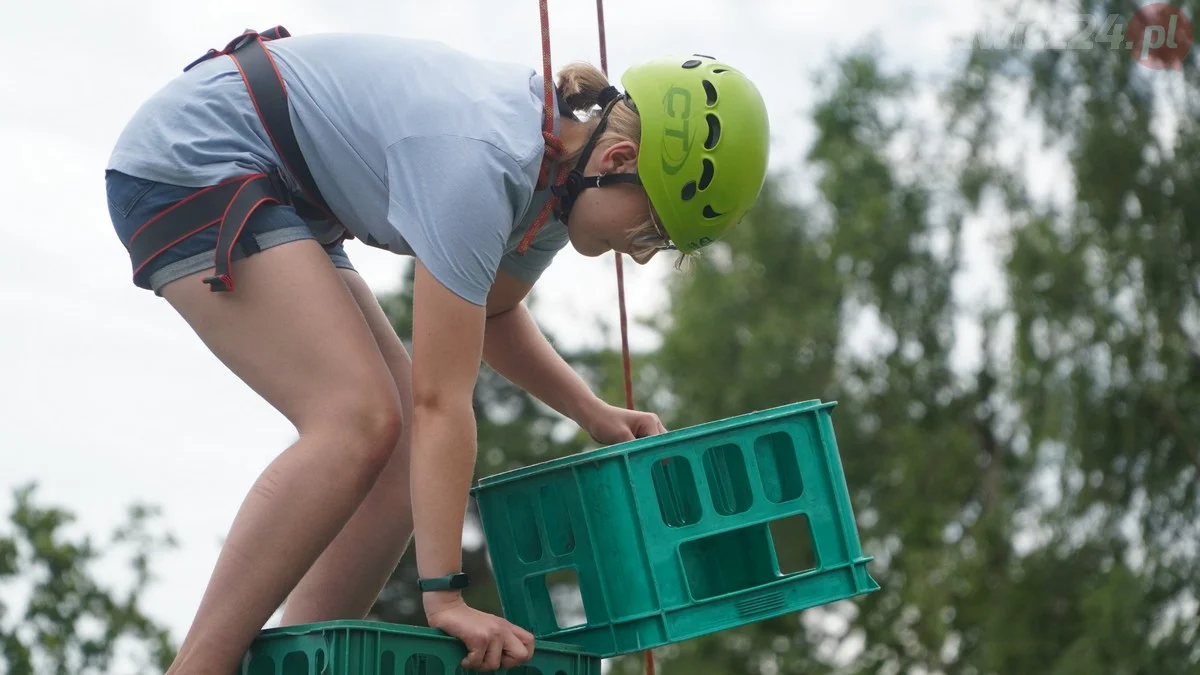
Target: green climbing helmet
column 704, row 146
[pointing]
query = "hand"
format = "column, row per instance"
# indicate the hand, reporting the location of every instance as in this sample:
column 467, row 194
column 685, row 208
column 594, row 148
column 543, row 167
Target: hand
column 491, row 642
column 609, row 424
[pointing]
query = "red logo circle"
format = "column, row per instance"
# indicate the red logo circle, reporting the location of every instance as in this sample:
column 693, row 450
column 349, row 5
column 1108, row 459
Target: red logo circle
column 1159, row 36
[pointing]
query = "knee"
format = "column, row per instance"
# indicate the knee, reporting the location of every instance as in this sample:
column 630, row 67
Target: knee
column 369, row 425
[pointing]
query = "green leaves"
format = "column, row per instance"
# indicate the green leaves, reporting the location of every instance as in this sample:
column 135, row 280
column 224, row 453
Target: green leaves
column 72, row 624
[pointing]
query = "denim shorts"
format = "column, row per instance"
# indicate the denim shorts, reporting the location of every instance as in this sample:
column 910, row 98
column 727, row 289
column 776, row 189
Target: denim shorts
column 132, row 201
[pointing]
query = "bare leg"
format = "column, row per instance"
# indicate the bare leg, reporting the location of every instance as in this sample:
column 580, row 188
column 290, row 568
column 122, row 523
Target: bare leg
column 295, row 335
column 347, row 578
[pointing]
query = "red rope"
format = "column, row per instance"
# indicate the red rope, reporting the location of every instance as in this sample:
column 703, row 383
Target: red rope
column 554, row 150
column 554, row 146
column 620, row 260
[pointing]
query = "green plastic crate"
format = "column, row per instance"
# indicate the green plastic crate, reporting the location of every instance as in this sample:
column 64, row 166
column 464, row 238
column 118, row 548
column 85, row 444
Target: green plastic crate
column 376, row 648
column 679, row 535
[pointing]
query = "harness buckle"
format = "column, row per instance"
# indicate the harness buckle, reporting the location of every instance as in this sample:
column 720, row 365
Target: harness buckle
column 221, row 283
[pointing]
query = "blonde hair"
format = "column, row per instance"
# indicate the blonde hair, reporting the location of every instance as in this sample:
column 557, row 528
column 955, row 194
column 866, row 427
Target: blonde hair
column 580, row 84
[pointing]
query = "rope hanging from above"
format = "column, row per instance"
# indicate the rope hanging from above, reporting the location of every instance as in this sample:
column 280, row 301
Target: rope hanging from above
column 554, row 153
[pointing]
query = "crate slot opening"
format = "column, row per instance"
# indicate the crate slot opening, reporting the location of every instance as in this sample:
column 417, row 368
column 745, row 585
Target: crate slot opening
column 523, row 523
column 557, row 592
column 728, row 481
column 675, row 487
column 792, row 538
column 261, row 664
column 560, row 535
column 778, row 467
column 296, row 662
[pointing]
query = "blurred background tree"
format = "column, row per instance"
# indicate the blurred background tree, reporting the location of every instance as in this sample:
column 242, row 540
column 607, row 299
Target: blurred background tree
column 56, row 618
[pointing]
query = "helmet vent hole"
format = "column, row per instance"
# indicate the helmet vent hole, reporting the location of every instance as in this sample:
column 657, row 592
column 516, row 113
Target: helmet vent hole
column 707, row 176
column 711, row 91
column 720, row 70
column 691, row 63
column 689, row 190
column 714, row 132
column 710, row 213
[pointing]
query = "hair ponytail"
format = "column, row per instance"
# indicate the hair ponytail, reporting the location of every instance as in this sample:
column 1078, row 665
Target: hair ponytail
column 580, row 84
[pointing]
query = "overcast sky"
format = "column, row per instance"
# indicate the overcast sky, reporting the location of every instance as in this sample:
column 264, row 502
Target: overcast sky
column 108, row 398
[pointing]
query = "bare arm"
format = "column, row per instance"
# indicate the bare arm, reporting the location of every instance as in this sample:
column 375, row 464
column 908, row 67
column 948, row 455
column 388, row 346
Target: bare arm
column 447, row 346
column 516, row 348
column 447, row 342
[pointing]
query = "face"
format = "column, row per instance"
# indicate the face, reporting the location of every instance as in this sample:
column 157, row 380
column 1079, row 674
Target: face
column 604, row 219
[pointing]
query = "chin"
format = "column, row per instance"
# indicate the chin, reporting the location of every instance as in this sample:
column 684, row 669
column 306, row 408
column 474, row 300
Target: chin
column 589, row 249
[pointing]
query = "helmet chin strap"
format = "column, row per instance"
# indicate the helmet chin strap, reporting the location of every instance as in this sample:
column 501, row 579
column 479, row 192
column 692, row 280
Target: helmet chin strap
column 576, row 181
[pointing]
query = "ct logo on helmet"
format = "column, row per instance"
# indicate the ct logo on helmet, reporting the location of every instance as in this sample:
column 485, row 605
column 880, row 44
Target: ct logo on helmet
column 677, row 134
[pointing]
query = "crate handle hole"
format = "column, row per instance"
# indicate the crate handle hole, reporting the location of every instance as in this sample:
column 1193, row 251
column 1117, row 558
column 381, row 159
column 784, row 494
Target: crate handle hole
column 727, row 562
column 424, row 664
column 792, row 539
column 261, row 664
column 566, row 598
column 296, row 662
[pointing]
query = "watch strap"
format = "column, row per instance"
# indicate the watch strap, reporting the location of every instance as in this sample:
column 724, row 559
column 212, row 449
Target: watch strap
column 450, row 582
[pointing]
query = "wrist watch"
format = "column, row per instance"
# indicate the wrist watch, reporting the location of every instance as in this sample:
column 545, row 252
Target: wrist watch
column 450, row 582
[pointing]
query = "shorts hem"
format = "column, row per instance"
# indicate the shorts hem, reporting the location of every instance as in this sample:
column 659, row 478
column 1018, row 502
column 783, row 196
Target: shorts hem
column 204, row 261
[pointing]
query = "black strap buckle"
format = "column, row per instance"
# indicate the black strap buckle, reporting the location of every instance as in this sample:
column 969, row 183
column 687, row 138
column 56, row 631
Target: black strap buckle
column 222, row 283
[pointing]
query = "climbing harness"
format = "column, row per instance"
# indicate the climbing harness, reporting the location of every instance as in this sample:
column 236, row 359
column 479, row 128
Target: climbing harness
column 229, row 204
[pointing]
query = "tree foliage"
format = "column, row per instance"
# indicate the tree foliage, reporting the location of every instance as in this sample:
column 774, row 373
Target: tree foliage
column 56, row 617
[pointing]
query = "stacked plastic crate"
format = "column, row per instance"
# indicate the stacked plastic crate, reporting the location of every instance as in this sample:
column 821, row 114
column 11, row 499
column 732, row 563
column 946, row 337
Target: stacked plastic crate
column 666, row 539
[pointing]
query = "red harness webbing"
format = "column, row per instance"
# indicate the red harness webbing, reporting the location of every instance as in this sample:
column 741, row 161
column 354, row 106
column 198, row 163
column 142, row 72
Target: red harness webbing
column 230, row 204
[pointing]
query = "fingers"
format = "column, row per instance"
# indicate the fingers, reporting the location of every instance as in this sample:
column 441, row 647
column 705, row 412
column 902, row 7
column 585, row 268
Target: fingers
column 476, row 651
column 499, row 645
column 495, row 650
column 650, row 425
column 490, row 641
column 524, row 636
column 516, row 650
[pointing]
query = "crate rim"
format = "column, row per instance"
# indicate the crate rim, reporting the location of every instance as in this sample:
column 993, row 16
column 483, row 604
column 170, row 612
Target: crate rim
column 423, row 632
column 671, row 436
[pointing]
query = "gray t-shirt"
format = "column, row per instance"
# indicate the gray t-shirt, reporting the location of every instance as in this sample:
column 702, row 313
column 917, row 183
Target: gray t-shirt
column 424, row 149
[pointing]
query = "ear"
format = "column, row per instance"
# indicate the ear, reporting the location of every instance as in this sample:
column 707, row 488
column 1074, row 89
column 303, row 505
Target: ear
column 620, row 157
